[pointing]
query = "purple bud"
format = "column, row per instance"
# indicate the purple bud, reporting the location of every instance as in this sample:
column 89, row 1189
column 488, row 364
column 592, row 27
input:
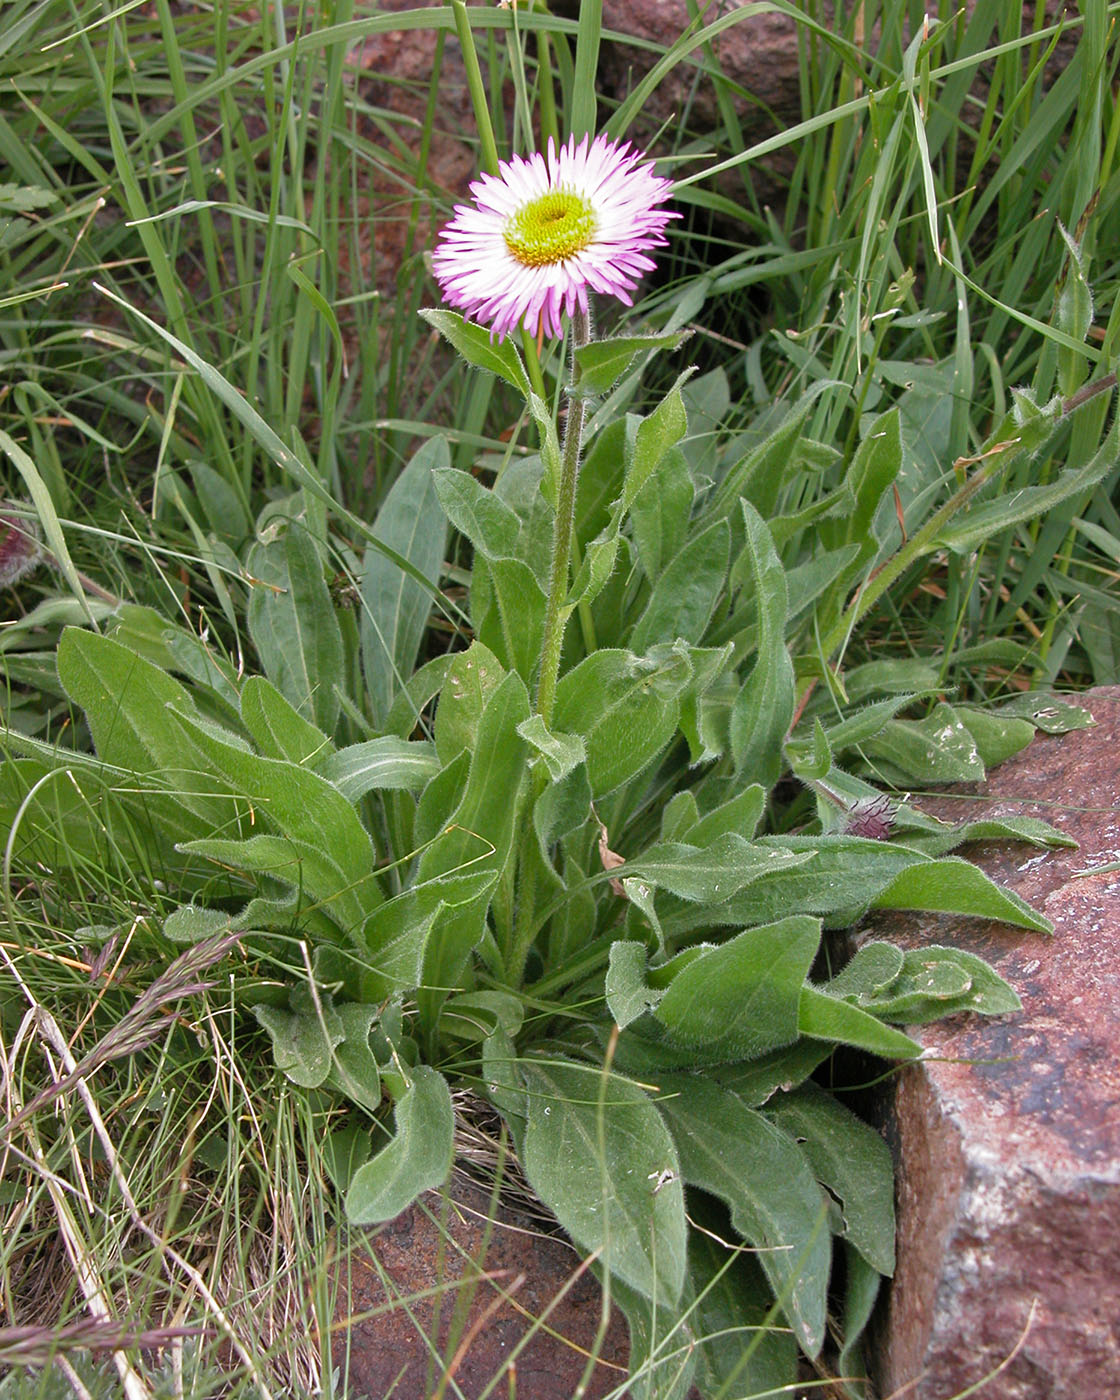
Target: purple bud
column 872, row 817
column 20, row 550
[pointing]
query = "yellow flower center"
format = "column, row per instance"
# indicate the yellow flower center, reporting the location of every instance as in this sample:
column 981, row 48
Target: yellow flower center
column 550, row 229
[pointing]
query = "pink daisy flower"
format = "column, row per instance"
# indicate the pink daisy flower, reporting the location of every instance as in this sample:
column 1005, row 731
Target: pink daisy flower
column 547, row 228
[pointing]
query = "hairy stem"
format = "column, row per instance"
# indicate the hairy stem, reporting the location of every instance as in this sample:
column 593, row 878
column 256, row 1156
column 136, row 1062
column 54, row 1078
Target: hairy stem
column 552, row 643
column 556, row 615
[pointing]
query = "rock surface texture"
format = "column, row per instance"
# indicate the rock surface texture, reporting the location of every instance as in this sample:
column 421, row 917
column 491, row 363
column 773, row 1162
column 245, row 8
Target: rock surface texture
column 1008, row 1137
column 470, row 1293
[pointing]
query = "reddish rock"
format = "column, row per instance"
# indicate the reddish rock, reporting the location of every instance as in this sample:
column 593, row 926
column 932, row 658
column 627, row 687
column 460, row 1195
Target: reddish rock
column 1008, row 1138
column 442, row 1256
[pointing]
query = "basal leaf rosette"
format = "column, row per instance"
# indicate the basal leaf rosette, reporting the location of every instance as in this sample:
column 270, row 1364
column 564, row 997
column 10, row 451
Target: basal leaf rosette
column 549, row 227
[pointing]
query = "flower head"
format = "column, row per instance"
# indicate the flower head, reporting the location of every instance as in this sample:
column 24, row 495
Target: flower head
column 547, row 228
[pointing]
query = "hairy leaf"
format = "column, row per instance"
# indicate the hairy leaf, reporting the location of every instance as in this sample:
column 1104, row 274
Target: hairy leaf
column 763, row 709
column 379, row 765
column 293, row 624
column 277, row 727
column 742, row 997
column 395, row 603
column 598, row 1154
column 417, row 1158
column 850, row 1160
column 737, row 1154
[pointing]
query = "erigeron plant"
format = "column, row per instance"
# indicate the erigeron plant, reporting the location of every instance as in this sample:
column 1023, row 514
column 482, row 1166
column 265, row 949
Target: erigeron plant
column 548, row 874
column 563, row 865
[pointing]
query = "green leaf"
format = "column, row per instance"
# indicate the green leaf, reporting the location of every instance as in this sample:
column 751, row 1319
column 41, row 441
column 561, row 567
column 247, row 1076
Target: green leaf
column 860, row 1293
column 954, row 886
column 940, row 839
column 823, row 1017
column 603, row 362
column 742, row 997
column 481, row 831
column 394, row 939
column 743, row 1349
column 663, row 1344
column 481, row 827
column 872, row 969
column 277, row 727
column 626, row 709
column 868, row 722
column 23, row 199
column 600, row 477
column 549, row 486
column 562, row 808
column 655, row 435
column 379, row 765
column 225, row 513
column 127, row 702
column 713, row 873
column 125, row 699
column 419, row 691
column 685, row 596
column 758, row 1080
column 934, row 981
column 874, row 467
column 813, row 760
column 478, row 348
column 417, row 1158
column 354, row 1071
column 996, row 736
column 851, row 1161
column 659, row 515
column 474, row 1016
column 317, row 1043
column 515, row 623
column 395, row 604
column 762, row 474
column 171, row 648
column 974, row 528
column 936, row 749
column 503, row 1083
column 629, row 994
column 304, row 1038
column 740, row 814
column 472, row 676
column 440, row 798
column 561, row 752
column 840, row 882
column 481, row 515
column 600, row 1157
column 596, row 568
column 809, row 580
column 191, row 923
column 763, row 709
column 330, row 847
column 296, row 864
column 568, row 928
column 776, row 1205
column 293, row 624
column 1048, row 712
column 679, row 815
